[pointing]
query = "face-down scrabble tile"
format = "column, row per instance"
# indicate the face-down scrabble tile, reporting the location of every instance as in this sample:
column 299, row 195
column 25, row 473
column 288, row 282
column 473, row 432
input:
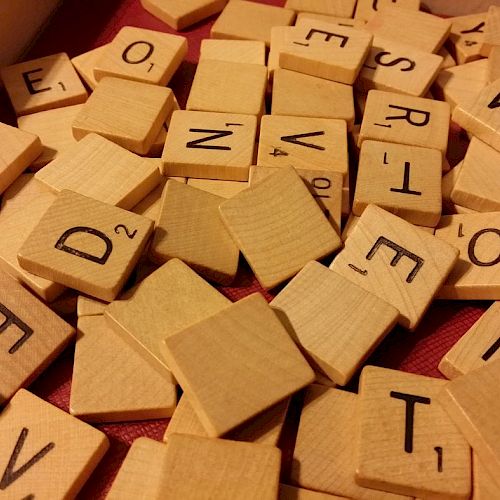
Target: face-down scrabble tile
column 340, row 8
column 40, row 441
column 278, row 227
column 315, row 307
column 241, row 51
column 324, row 460
column 397, row 67
column 406, row 442
column 100, row 169
column 473, row 403
column 19, row 149
column 476, row 275
column 228, row 87
column 405, row 180
column 404, row 119
column 45, row 83
column 478, row 346
column 292, row 493
column 142, row 55
column 86, row 244
column 126, row 112
column 112, row 382
column 202, row 356
column 209, row 145
column 190, row 228
column 85, row 64
column 31, row 336
column 491, row 31
column 366, row 9
column 467, row 36
column 419, row 29
column 484, row 484
column 325, row 50
column 396, row 261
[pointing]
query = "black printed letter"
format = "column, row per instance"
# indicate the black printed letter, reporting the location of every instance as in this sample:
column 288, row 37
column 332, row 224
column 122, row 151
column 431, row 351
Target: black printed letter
column 29, row 82
column 408, row 116
column 12, row 319
column 60, row 245
column 472, row 248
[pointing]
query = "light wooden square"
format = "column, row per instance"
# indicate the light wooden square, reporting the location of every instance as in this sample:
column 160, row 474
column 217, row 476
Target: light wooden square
column 247, row 341
column 44, row 83
column 340, row 8
column 180, row 15
column 278, row 227
column 190, row 228
column 19, row 149
column 406, row 442
column 100, row 169
column 424, row 31
column 142, row 55
column 313, row 307
column 325, row 50
column 112, row 382
column 476, row 275
column 209, row 145
column 225, row 189
column 40, row 441
column 366, row 9
column 126, row 112
column 167, row 301
column 241, row 51
column 86, row 244
column 467, row 37
column 405, row 180
column 491, row 30
column 85, row 64
column 295, row 94
column 485, row 485
column 480, row 117
column 405, row 119
column 292, row 493
column 324, row 460
column 396, row 261
column 473, row 403
column 241, row 20
column 305, row 17
column 31, row 336
column 397, row 67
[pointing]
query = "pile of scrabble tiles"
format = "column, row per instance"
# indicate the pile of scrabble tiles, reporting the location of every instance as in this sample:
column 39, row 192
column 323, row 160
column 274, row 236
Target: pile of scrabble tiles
column 141, row 208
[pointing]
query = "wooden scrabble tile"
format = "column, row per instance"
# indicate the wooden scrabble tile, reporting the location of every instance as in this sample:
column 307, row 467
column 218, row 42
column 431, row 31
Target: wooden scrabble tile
column 461, row 84
column 204, row 353
column 278, row 227
column 88, row 306
column 126, row 112
column 477, row 347
column 405, row 119
column 23, row 205
column 467, row 36
column 366, row 9
column 142, row 55
column 405, row 180
column 173, row 297
column 422, row 30
column 100, row 169
column 407, row 444
column 324, row 460
column 340, row 8
column 314, row 308
column 44, row 83
column 190, row 228
column 19, row 149
column 241, row 51
column 85, row 244
column 476, row 275
column 241, row 20
column 399, row 68
column 324, row 50
column 325, row 187
column 396, row 261
column 181, row 15
column 292, row 493
column 85, row 64
column 54, row 128
column 31, row 336
column 295, row 94
column 478, row 184
column 112, row 382
column 305, row 17
column 224, row 189
column 491, row 30
column 265, row 428
column 473, row 403
column 484, row 485
column 209, row 145
column 481, row 117
column 40, row 441
column 448, row 61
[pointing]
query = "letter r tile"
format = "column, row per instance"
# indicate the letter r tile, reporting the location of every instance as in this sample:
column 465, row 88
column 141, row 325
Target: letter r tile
column 86, row 245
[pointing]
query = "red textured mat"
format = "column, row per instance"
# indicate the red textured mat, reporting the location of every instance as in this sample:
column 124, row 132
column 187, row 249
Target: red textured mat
column 80, row 26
